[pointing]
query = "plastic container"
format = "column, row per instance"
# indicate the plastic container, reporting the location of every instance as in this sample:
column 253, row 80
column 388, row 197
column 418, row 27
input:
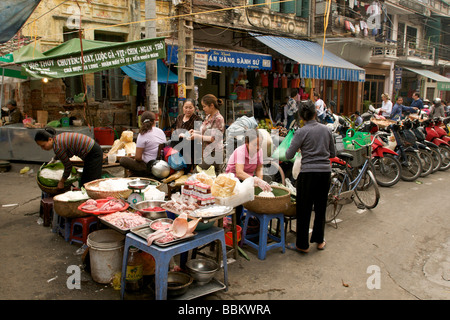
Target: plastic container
column 65, row 122
column 229, row 236
column 134, row 278
column 104, row 136
column 106, row 254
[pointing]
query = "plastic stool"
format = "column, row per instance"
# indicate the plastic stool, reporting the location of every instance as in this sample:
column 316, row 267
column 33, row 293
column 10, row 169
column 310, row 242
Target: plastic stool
column 61, row 226
column 46, row 210
column 262, row 246
column 87, row 224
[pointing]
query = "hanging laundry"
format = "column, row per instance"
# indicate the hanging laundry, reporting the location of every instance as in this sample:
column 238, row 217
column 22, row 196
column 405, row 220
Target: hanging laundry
column 275, row 80
column 265, row 79
column 126, row 86
column 284, row 81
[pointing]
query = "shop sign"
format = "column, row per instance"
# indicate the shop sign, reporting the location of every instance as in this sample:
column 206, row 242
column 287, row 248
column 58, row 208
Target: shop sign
column 398, row 78
column 443, row 86
column 200, row 65
column 98, row 59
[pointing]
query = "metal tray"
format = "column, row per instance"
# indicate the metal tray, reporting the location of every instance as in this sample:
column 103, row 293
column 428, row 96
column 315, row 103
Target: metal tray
column 144, row 230
column 123, row 231
column 211, row 211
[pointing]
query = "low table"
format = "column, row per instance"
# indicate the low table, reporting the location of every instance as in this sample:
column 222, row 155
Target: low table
column 162, row 256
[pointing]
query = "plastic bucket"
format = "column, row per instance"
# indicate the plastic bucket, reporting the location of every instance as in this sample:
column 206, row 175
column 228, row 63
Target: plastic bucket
column 104, row 136
column 106, row 253
column 229, row 236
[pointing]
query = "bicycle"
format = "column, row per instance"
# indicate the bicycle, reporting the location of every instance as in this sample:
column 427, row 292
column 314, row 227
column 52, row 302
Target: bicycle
column 352, row 178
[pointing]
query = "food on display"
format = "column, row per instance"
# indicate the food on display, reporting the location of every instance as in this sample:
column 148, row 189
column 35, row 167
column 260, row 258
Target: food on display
column 266, row 194
column 125, row 219
column 153, row 209
column 110, row 205
column 124, row 143
column 224, row 185
column 73, row 196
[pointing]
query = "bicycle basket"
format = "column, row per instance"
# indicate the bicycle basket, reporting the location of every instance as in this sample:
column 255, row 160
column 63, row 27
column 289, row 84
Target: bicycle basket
column 362, row 138
column 359, row 156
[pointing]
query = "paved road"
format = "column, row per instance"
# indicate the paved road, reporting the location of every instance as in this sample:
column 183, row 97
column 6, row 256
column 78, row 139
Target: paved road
column 398, row 251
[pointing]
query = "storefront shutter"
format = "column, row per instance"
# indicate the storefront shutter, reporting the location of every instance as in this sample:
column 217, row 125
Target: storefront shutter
column 275, row 6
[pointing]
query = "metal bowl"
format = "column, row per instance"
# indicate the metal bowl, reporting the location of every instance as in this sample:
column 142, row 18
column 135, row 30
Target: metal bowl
column 138, row 184
column 150, row 214
column 164, row 220
column 178, row 283
column 202, row 270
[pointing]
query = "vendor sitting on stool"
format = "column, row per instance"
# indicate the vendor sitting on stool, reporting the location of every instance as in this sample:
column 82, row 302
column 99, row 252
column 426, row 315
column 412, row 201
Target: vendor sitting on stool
column 247, row 161
column 147, row 146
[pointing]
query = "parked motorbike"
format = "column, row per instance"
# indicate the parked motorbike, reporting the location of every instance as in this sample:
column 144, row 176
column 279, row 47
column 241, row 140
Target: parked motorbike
column 424, row 151
column 433, row 136
column 386, row 167
column 408, row 155
column 434, row 149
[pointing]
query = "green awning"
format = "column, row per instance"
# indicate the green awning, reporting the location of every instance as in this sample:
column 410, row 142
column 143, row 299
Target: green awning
column 67, row 59
column 443, row 83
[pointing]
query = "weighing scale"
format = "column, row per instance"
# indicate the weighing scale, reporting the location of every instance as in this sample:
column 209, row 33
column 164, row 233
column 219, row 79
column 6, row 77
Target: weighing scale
column 138, row 187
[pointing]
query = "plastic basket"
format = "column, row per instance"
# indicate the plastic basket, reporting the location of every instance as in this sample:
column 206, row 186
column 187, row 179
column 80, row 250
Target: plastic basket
column 362, row 138
column 359, row 156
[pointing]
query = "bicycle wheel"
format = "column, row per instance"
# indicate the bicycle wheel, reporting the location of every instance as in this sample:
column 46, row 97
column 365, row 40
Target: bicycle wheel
column 411, row 167
column 338, row 184
column 445, row 157
column 367, row 190
column 437, row 160
column 427, row 162
column 387, row 170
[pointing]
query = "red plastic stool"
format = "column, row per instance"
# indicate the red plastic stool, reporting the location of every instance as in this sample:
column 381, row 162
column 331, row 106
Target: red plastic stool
column 87, row 225
column 46, row 210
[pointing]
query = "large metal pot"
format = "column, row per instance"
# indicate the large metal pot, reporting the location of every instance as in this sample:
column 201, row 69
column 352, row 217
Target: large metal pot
column 151, row 214
column 160, row 169
column 202, row 270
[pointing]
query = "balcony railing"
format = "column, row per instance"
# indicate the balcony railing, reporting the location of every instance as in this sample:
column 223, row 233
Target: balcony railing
column 411, row 49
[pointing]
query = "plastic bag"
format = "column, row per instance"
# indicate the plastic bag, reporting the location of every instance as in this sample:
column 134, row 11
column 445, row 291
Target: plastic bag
column 280, row 152
column 176, row 161
column 362, row 138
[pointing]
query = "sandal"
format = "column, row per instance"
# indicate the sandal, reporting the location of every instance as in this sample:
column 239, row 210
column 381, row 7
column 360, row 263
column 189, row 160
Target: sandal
column 321, row 246
column 293, row 247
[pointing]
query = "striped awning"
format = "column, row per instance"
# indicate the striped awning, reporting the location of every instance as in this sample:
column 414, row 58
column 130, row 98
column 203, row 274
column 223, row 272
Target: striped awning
column 309, row 55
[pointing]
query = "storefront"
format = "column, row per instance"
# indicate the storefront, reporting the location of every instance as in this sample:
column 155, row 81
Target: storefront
column 316, row 70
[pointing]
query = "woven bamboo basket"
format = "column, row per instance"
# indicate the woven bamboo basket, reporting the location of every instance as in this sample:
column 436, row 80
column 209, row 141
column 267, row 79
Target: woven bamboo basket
column 52, row 190
column 269, row 205
column 68, row 209
column 292, row 210
column 98, row 194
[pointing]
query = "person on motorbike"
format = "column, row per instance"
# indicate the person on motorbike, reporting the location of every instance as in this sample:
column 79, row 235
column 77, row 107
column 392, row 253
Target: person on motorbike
column 399, row 108
column 437, row 109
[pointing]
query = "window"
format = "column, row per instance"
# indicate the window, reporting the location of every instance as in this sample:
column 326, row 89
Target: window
column 411, row 36
column 108, row 83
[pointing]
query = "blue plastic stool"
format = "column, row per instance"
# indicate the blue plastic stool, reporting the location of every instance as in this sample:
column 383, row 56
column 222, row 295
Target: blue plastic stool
column 61, row 226
column 262, row 246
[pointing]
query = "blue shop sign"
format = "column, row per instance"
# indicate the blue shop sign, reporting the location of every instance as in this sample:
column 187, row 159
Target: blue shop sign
column 224, row 58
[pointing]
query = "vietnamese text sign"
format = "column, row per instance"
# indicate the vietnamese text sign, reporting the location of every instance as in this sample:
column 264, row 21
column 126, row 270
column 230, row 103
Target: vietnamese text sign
column 93, row 60
column 200, row 65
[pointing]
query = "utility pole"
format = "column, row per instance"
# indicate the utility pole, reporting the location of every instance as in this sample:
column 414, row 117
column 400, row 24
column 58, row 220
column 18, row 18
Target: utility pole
column 186, row 49
column 151, row 71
